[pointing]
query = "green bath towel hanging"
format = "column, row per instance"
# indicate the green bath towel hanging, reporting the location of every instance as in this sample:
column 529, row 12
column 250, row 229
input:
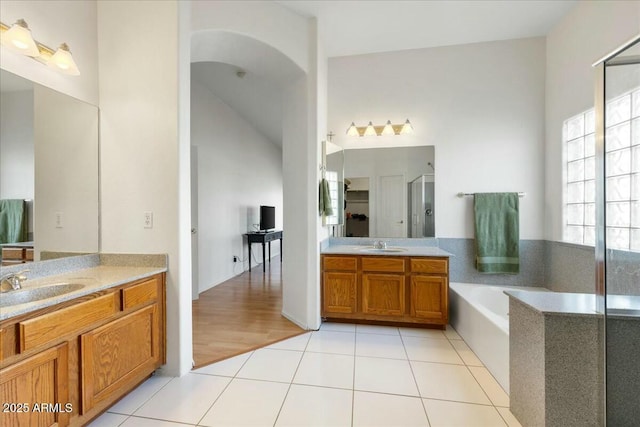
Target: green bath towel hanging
column 497, row 227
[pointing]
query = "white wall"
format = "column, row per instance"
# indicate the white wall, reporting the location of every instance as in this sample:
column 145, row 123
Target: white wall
column 66, row 173
column 482, row 107
column 590, row 30
column 16, row 145
column 239, row 169
column 53, row 22
column 140, row 151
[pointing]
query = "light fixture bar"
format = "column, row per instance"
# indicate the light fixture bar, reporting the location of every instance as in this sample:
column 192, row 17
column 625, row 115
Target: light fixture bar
column 46, row 54
column 378, row 130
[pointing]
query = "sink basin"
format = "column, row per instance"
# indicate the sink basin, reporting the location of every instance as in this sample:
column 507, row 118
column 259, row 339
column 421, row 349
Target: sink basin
column 23, row 296
column 383, row 250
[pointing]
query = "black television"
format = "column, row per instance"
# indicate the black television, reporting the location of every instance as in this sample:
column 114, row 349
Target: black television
column 267, row 218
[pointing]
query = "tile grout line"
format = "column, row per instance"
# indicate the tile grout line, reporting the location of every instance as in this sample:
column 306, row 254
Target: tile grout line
column 353, row 377
column 476, row 380
column 146, row 400
column 415, row 381
column 292, row 378
column 225, row 387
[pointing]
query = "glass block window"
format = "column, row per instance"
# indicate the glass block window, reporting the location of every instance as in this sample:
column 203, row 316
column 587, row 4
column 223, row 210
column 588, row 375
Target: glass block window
column 622, row 166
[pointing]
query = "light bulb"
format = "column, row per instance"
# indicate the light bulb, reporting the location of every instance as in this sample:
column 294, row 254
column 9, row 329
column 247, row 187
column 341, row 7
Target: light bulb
column 18, row 39
column 370, row 131
column 388, row 129
column 407, row 129
column 63, row 61
column 353, row 130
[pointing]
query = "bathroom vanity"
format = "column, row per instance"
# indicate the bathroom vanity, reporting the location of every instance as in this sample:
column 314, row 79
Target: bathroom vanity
column 66, row 359
column 407, row 286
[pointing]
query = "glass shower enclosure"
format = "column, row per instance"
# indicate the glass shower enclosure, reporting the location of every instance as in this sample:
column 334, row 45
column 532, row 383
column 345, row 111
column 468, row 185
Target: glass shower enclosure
column 421, row 206
column 618, row 231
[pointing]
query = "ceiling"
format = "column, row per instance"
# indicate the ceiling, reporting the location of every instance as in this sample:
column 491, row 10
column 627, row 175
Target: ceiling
column 364, row 27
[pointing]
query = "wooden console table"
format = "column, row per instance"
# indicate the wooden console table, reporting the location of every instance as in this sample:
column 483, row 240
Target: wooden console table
column 266, row 237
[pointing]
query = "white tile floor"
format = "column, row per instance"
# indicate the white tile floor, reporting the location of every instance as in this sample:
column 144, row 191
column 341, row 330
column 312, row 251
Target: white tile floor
column 341, row 375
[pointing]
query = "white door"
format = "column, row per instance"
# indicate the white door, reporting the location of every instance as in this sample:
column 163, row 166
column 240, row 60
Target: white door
column 195, row 287
column 392, row 206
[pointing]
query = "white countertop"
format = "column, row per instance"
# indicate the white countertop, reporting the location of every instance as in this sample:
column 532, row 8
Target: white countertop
column 95, row 279
column 575, row 303
column 432, row 251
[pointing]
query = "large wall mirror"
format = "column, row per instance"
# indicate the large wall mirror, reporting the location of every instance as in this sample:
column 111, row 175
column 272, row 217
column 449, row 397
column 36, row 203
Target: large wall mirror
column 49, row 158
column 390, row 192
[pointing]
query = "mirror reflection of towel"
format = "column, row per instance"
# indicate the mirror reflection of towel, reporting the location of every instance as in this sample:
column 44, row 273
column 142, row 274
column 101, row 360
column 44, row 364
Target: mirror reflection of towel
column 324, row 202
column 13, row 221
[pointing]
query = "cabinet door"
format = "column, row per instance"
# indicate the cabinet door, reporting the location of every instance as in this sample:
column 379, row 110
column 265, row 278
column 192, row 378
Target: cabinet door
column 429, row 297
column 35, row 392
column 118, row 355
column 383, row 294
column 339, row 293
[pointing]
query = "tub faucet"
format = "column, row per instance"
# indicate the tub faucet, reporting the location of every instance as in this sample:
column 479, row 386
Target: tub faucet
column 14, row 279
column 380, row 244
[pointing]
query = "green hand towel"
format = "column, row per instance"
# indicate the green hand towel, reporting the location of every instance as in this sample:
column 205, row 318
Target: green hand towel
column 13, row 221
column 497, row 232
column 324, row 202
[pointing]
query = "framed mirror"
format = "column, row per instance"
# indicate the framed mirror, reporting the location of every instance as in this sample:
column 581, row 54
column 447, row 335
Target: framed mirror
column 49, row 160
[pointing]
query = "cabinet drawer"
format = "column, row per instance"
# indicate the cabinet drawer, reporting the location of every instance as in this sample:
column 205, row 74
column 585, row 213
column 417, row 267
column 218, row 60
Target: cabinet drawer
column 52, row 326
column 430, row 265
column 10, row 254
column 383, row 264
column 340, row 263
column 140, row 294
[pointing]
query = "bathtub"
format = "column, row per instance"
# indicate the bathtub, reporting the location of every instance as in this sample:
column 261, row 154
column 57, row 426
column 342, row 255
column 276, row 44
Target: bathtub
column 480, row 315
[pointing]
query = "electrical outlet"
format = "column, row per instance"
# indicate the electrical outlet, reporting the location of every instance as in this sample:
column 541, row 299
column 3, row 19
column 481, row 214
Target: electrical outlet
column 58, row 220
column 148, row 220
column 235, row 258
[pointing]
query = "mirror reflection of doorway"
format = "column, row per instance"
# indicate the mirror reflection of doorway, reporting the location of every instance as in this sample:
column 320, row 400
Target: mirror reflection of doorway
column 392, row 202
column 357, row 207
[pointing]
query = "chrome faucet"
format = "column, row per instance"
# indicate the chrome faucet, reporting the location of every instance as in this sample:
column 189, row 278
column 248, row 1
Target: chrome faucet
column 14, row 279
column 380, row 244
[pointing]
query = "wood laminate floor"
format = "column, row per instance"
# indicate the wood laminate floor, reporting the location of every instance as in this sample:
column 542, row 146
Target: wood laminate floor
column 239, row 315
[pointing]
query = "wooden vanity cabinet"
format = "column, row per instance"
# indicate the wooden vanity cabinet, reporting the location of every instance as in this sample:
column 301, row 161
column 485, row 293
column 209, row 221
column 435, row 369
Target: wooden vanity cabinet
column 83, row 354
column 386, row 289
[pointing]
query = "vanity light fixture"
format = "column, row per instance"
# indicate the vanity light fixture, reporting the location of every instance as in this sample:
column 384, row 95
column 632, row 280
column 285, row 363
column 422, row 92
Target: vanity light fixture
column 388, row 129
column 17, row 38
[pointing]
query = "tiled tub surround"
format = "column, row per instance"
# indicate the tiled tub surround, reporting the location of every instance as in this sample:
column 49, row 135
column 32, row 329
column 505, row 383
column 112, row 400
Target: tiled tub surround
column 555, row 366
column 97, row 272
column 462, row 264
